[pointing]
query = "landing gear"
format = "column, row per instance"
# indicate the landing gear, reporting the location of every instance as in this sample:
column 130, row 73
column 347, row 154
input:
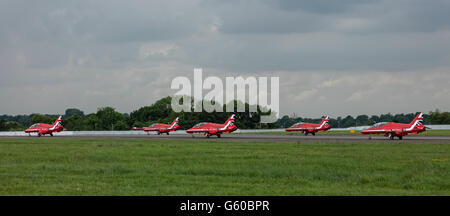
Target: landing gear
column 167, row 133
column 391, row 136
column 207, row 135
column 218, row 135
column 159, row 133
column 39, row 134
column 51, row 134
column 306, row 133
column 313, row 134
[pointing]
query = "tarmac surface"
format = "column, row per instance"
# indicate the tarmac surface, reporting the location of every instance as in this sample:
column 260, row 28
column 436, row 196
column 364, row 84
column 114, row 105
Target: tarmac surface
column 257, row 138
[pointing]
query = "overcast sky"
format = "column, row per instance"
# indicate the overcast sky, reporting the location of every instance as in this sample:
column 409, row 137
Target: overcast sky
column 332, row 57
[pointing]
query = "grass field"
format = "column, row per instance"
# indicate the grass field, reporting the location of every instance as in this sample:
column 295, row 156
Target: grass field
column 347, row 132
column 32, row 166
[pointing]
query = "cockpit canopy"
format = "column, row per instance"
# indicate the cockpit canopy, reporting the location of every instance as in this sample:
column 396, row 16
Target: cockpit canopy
column 154, row 124
column 379, row 124
column 34, row 125
column 297, row 124
column 200, row 124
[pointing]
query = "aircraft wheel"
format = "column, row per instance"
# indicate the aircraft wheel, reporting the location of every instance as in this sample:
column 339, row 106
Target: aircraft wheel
column 391, row 137
column 313, row 134
column 167, row 133
column 370, row 137
column 51, row 134
column 400, row 137
column 39, row 134
column 218, row 135
column 306, row 133
column 207, row 136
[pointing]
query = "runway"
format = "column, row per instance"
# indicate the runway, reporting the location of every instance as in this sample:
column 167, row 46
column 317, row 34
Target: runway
column 257, row 138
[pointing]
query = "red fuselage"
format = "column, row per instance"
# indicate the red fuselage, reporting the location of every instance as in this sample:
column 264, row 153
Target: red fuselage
column 396, row 129
column 42, row 129
column 391, row 129
column 309, row 127
column 312, row 128
column 161, row 128
column 214, row 129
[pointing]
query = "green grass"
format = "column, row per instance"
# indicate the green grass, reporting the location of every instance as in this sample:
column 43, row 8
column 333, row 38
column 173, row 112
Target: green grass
column 32, row 166
column 347, row 132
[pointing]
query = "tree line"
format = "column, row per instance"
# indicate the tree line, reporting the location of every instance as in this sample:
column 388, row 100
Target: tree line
column 107, row 118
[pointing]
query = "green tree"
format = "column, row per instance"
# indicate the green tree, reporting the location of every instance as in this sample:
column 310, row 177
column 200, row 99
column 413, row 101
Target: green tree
column 159, row 111
column 348, row 121
column 438, row 117
column 92, row 123
column 363, row 120
column 2, row 125
column 14, row 126
column 108, row 117
column 375, row 119
column 73, row 111
column 333, row 123
column 386, row 118
column 73, row 123
column 38, row 118
column 121, row 125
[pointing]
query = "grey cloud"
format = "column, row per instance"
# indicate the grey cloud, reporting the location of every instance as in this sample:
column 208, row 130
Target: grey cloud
column 320, row 6
column 124, row 54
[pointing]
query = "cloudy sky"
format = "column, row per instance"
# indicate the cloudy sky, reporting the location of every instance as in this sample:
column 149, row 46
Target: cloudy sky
column 332, row 57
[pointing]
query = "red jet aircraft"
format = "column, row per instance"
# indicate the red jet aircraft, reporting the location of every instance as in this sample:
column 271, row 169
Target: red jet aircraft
column 214, row 129
column 392, row 130
column 307, row 128
column 42, row 129
column 163, row 128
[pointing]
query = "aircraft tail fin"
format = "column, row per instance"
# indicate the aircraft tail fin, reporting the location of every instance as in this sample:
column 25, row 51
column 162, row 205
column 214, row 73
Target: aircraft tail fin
column 57, row 122
column 324, row 121
column 418, row 120
column 174, row 123
column 231, row 119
